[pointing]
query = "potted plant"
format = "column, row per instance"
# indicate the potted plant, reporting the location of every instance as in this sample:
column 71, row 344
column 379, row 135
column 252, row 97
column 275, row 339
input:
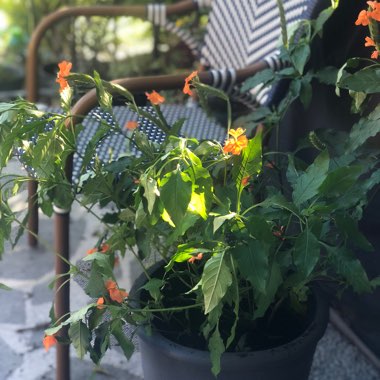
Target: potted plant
column 241, row 236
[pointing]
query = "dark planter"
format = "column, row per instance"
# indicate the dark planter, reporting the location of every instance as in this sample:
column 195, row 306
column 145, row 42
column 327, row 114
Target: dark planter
column 163, row 359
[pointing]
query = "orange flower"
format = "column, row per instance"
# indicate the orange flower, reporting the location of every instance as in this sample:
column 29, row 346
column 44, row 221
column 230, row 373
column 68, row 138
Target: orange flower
column 245, row 180
column 64, row 71
column 375, row 54
column 197, row 257
column 375, row 14
column 104, row 248
column 131, row 125
column 369, row 42
column 49, row 341
column 237, row 143
column 91, row 251
column 100, row 303
column 362, row 18
column 186, row 87
column 155, row 98
column 115, row 293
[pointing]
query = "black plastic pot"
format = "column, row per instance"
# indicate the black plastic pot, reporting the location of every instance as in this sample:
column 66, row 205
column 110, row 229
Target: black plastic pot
column 163, row 359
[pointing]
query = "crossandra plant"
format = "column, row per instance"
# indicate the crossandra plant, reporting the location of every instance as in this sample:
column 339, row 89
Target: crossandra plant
column 242, row 232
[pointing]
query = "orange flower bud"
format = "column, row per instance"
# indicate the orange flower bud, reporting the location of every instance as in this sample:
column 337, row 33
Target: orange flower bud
column 49, row 341
column 155, row 98
column 64, row 71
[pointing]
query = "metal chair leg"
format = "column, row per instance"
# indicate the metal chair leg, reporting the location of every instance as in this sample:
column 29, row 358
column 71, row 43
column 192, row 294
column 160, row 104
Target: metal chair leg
column 62, row 287
column 33, row 213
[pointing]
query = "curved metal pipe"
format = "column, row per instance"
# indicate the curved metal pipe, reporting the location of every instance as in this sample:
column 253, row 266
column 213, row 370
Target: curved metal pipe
column 67, row 12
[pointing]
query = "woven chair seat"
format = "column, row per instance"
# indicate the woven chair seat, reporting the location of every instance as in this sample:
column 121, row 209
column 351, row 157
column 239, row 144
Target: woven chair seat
column 197, row 125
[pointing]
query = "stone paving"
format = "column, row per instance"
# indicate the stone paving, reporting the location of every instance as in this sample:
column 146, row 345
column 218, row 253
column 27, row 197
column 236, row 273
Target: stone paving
column 25, row 309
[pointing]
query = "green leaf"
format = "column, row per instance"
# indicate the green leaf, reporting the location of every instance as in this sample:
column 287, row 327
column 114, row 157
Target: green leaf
column 252, row 262
column 299, row 55
column 349, row 268
column 219, row 220
column 364, row 129
column 350, row 229
column 306, row 92
column 251, row 161
column 321, row 20
column 153, row 286
column 366, row 80
column 103, row 261
column 306, row 252
column 216, row 347
column 308, row 183
column 175, row 193
column 80, row 337
column 258, row 227
column 4, row 287
column 266, row 298
column 125, row 344
column 104, row 97
column 150, row 191
column 95, row 285
column 327, row 75
column 176, row 127
column 262, row 77
column 101, row 343
column 340, row 180
column 74, row 317
column 216, row 279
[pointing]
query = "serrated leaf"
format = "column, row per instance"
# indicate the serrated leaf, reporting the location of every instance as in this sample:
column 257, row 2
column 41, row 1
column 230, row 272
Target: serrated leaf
column 366, row 80
column 308, row 183
column 306, row 252
column 364, row 129
column 216, row 279
column 216, row 347
column 80, row 337
column 252, row 262
column 340, row 180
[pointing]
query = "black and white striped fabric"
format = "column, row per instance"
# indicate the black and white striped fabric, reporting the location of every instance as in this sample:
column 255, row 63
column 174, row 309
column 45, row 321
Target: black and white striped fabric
column 242, row 32
column 156, row 13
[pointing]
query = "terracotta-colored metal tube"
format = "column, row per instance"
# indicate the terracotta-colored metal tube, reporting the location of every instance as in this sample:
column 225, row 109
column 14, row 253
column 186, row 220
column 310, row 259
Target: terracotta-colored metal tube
column 67, row 12
column 163, row 82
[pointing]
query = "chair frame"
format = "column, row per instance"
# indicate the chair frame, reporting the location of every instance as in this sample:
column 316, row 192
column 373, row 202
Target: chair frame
column 82, row 107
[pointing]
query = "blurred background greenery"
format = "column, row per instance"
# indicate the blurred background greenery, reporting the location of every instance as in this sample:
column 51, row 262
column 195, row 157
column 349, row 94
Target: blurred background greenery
column 115, row 47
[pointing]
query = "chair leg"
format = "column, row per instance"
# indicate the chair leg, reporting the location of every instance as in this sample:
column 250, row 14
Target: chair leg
column 33, row 213
column 62, row 288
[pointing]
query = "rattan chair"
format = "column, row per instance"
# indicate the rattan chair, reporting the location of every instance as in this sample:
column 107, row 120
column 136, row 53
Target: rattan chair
column 241, row 39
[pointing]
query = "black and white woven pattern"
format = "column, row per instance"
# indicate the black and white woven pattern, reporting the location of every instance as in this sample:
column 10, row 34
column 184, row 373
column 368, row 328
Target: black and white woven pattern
column 197, row 125
column 242, row 32
column 156, row 13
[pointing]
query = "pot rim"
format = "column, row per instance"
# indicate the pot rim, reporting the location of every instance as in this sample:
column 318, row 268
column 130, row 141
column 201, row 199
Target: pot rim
column 313, row 332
